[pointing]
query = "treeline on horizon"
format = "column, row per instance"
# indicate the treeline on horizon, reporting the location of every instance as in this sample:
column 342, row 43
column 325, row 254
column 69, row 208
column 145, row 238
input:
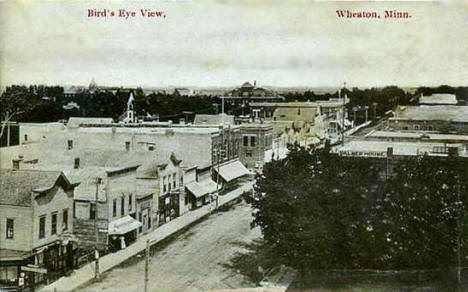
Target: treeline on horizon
column 40, row 103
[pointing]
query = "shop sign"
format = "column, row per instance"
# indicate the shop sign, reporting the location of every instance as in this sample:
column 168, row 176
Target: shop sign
column 363, row 153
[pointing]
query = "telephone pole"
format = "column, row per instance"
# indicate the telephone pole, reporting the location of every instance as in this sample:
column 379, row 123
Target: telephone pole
column 147, row 259
column 343, row 118
column 96, row 251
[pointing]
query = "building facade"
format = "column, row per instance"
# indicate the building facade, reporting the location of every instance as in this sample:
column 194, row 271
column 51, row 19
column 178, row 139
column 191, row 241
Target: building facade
column 36, row 225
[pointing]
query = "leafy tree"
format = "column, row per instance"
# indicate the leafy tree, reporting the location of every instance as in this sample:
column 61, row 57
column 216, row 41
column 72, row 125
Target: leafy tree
column 416, row 218
column 311, row 206
column 319, row 210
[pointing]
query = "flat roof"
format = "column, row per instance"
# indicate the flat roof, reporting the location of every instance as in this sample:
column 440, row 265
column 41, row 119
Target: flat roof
column 322, row 103
column 439, row 98
column 430, row 136
column 155, row 130
column 379, row 148
column 432, row 113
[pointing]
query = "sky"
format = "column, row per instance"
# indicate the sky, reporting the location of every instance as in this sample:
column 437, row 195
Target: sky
column 224, row 43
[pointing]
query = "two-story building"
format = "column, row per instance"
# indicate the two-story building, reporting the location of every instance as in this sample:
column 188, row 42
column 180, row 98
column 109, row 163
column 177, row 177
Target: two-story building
column 105, row 212
column 36, row 226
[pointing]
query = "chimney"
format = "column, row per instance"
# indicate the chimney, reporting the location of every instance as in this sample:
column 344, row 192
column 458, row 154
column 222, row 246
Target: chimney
column 389, row 151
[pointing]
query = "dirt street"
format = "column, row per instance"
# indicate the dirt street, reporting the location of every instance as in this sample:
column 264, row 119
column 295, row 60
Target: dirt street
column 193, row 261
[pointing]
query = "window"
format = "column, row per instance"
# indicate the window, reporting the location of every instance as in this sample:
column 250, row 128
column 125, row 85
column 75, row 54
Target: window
column 174, row 178
column 25, row 137
column 246, row 140
column 65, row 220
column 127, row 145
column 130, row 202
column 181, row 180
column 92, row 211
column 114, row 208
column 42, row 223
column 122, row 206
column 248, row 153
column 53, row 226
column 252, row 140
column 150, row 148
column 10, row 225
column 186, row 198
column 77, row 163
column 70, row 144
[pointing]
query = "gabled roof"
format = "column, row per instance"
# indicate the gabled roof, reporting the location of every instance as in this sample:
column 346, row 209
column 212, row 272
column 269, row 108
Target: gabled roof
column 247, row 85
column 18, row 185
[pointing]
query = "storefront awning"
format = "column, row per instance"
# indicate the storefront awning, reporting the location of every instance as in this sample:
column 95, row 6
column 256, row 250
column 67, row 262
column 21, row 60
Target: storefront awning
column 202, row 188
column 232, row 171
column 123, row 225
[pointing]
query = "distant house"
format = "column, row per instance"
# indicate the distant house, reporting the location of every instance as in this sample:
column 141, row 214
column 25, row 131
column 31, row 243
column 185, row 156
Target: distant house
column 438, row 99
column 249, row 92
column 183, row 92
column 36, row 226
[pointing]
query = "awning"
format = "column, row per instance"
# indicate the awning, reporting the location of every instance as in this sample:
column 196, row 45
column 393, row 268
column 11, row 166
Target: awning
column 232, row 171
column 123, row 225
column 202, row 188
column 13, row 255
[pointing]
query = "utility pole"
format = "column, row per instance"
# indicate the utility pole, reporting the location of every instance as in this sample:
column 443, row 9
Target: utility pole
column 342, row 118
column 96, row 251
column 222, row 104
column 460, row 227
column 219, row 155
column 147, row 259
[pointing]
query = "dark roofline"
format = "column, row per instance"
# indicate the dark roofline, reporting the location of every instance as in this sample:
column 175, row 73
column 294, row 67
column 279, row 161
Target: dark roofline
column 121, row 170
column 69, row 185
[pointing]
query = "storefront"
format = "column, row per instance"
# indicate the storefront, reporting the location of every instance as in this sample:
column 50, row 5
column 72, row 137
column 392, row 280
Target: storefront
column 200, row 193
column 230, row 175
column 168, row 206
column 122, row 232
column 144, row 213
column 11, row 262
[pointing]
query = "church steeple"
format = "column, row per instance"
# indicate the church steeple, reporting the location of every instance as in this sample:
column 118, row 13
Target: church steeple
column 92, row 84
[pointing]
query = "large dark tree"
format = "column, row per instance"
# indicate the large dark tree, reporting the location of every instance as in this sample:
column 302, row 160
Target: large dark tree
column 319, row 210
column 310, row 207
column 421, row 215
